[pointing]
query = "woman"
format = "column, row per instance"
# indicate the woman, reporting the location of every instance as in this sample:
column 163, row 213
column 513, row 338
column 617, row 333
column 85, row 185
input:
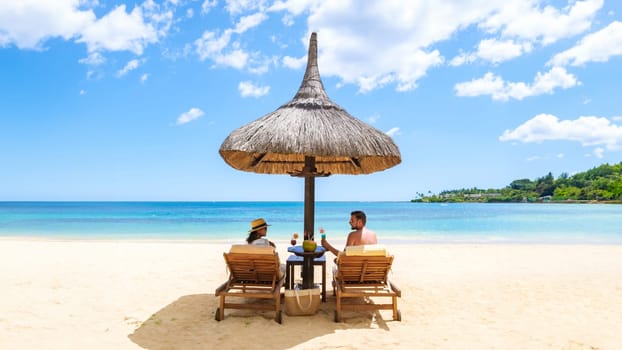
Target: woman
column 257, row 233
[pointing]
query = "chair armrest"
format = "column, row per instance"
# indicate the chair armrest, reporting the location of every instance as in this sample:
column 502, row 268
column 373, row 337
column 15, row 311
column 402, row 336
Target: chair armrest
column 223, row 287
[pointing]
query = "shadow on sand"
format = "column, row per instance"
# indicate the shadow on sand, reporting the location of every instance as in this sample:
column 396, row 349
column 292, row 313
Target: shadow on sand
column 189, row 323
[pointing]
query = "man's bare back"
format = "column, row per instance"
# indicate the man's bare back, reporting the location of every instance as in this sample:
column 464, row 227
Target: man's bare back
column 361, row 237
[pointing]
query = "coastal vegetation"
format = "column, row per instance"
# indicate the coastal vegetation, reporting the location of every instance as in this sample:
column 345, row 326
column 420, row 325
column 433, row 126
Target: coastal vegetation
column 599, row 184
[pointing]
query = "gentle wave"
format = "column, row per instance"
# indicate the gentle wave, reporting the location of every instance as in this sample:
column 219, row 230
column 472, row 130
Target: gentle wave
column 394, row 221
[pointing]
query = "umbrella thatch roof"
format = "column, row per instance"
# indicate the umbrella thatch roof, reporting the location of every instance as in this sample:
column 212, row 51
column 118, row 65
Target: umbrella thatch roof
column 310, row 125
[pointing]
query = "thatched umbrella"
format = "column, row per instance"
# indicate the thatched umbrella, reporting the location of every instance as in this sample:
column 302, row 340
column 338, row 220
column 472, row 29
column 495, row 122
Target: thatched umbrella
column 309, row 136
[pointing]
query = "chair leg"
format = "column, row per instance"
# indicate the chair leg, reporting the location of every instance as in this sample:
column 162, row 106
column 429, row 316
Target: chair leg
column 221, row 309
column 338, row 309
column 396, row 317
column 324, row 282
column 277, row 316
column 286, row 275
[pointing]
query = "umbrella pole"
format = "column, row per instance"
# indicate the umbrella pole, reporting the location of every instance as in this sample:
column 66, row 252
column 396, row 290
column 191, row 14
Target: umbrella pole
column 309, row 171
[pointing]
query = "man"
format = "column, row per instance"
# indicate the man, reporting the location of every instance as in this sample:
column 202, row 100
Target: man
column 360, row 236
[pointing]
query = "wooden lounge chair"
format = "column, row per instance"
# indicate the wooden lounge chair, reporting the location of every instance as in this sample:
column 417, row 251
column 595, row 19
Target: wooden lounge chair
column 363, row 278
column 254, row 272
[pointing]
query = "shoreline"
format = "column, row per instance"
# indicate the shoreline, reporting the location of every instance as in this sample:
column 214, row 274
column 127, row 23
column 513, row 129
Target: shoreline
column 160, row 295
column 286, row 243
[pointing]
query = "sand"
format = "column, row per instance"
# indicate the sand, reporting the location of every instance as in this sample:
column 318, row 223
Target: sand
column 160, row 295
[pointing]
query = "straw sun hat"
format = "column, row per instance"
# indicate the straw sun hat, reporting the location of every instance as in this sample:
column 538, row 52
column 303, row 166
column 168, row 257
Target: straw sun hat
column 258, row 224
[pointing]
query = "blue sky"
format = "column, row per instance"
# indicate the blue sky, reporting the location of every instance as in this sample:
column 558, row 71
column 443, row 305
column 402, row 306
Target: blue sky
column 130, row 100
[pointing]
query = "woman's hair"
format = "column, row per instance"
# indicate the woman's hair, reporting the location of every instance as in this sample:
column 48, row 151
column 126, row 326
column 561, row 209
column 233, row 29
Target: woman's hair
column 252, row 236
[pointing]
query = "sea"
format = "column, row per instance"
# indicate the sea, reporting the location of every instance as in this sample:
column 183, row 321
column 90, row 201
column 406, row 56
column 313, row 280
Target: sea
column 394, row 222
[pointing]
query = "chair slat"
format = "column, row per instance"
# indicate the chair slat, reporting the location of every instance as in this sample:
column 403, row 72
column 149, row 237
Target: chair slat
column 365, row 277
column 252, row 276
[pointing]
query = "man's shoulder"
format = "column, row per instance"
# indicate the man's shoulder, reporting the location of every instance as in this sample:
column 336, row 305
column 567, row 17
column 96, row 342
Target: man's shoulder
column 369, row 236
column 368, row 231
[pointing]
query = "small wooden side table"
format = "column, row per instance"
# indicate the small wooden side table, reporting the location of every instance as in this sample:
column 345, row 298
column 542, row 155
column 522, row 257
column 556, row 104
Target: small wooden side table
column 294, row 260
column 308, row 259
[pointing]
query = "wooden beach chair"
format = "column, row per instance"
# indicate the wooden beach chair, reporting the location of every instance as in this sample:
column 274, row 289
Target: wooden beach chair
column 362, row 275
column 254, row 273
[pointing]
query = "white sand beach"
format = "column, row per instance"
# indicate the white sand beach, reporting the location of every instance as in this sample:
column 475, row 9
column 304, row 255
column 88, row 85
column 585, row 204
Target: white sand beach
column 160, row 295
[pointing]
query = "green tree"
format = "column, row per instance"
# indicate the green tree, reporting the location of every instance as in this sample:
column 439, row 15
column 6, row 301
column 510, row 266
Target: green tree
column 566, row 192
column 545, row 186
column 523, row 185
column 603, row 182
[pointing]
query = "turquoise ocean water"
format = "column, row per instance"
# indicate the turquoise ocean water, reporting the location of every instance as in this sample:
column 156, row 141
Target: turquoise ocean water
column 395, row 222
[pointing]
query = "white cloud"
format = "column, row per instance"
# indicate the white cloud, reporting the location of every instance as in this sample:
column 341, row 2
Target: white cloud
column 293, row 62
column 533, row 158
column 235, row 7
column 120, row 31
column 372, row 46
column 617, row 118
column 129, row 66
column 527, row 21
column 494, row 51
column 560, row 155
column 187, row 117
column 490, row 84
column 594, row 47
column 501, row 90
column 497, row 51
column 588, row 130
column 248, row 89
column 224, row 51
column 248, row 22
column 382, row 43
column 392, row 43
column 236, row 59
column 93, row 59
column 599, row 152
column 294, row 8
column 82, row 92
column 375, row 63
column 144, row 77
column 210, row 46
column 462, row 58
column 208, row 5
column 288, row 20
column 393, row 131
column 28, row 23
column 260, row 65
column 373, row 119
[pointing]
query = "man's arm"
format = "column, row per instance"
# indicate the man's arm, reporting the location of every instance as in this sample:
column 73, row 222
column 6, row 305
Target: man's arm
column 329, row 247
